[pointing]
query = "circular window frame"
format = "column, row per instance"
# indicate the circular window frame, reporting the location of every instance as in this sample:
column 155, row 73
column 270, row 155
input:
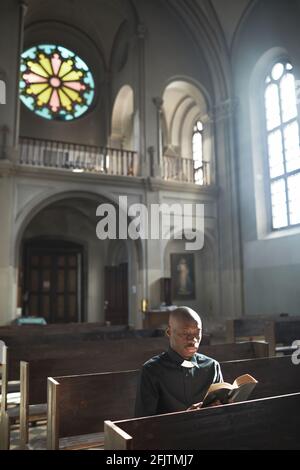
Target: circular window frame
column 81, row 65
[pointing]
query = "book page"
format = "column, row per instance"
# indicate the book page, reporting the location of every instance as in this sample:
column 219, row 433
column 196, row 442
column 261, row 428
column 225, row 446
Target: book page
column 241, row 393
column 244, row 379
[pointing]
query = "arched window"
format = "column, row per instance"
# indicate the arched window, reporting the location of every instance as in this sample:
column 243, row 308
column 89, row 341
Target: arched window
column 197, row 144
column 282, row 130
column 55, row 83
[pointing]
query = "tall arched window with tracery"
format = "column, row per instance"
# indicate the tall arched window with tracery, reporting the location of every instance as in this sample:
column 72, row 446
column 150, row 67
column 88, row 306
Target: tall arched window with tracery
column 282, row 131
column 197, row 144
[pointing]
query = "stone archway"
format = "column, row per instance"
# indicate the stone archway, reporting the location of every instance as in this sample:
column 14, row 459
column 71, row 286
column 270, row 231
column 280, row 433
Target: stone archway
column 71, row 217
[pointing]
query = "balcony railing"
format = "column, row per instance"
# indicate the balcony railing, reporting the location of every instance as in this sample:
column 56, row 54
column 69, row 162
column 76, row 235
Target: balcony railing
column 186, row 170
column 75, row 157
column 105, row 160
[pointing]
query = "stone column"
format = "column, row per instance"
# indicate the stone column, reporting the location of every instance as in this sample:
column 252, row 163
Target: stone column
column 8, row 272
column 11, row 45
column 230, row 250
column 158, row 166
column 208, row 149
column 155, row 260
column 144, row 163
column 2, row 91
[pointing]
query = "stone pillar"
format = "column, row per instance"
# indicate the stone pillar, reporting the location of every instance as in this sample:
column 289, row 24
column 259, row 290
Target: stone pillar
column 145, row 167
column 158, row 166
column 231, row 295
column 8, row 272
column 11, row 45
column 154, row 249
column 151, row 159
column 208, row 149
column 2, row 91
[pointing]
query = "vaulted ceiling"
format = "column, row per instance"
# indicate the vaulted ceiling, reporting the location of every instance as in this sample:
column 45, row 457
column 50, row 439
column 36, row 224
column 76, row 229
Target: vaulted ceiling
column 230, row 13
column 227, row 12
column 211, row 23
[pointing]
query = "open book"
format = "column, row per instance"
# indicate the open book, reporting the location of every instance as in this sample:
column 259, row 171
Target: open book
column 224, row 392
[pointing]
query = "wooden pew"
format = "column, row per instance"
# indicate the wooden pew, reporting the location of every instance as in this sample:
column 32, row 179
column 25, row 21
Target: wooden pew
column 86, row 357
column 275, row 375
column 74, row 351
column 45, row 340
column 268, row 423
column 67, row 394
column 230, row 352
column 281, row 335
column 245, row 328
column 29, row 341
column 62, row 333
column 77, row 358
column 79, row 405
column 221, row 352
column 4, row 427
column 55, row 328
column 109, row 356
column 260, row 328
column 4, row 431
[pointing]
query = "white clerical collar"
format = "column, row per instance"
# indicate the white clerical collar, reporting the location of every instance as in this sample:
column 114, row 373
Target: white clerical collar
column 188, row 364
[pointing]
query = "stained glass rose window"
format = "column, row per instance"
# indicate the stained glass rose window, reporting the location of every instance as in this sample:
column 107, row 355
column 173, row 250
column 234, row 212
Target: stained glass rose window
column 55, row 83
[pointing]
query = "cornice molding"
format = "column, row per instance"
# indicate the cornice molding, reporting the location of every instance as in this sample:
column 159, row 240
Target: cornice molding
column 7, row 168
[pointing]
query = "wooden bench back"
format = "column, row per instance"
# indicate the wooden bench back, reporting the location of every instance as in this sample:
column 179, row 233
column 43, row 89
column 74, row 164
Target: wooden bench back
column 73, row 349
column 63, row 333
column 230, row 352
column 255, row 326
column 109, row 356
column 283, row 332
column 270, row 423
column 80, row 404
column 275, row 375
column 113, row 356
column 29, row 352
column 246, row 327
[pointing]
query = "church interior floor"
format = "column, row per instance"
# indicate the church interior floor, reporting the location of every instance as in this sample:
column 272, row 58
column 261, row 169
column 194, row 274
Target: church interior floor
column 37, row 437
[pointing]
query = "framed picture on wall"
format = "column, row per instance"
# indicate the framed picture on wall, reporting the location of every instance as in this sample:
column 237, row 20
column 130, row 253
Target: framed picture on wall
column 183, row 276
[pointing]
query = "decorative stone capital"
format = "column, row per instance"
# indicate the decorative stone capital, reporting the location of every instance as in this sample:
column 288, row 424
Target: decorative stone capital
column 158, row 103
column 24, row 6
column 207, row 118
column 225, row 109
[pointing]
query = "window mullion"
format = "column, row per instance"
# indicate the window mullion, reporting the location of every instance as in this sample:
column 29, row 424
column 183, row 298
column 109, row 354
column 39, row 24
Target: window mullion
column 282, row 127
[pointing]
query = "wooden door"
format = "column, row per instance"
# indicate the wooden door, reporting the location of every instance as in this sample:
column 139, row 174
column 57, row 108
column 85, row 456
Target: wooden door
column 116, row 294
column 52, row 282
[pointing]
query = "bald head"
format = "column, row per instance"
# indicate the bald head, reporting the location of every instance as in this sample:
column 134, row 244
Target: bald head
column 185, row 314
column 184, row 331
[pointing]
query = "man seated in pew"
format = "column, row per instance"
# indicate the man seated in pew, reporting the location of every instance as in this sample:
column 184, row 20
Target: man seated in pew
column 179, row 378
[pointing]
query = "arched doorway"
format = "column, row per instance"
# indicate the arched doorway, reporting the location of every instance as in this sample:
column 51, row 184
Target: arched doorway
column 52, row 280
column 70, row 218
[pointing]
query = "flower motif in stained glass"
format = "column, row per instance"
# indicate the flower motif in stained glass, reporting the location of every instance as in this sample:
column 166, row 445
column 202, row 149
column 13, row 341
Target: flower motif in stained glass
column 55, row 83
